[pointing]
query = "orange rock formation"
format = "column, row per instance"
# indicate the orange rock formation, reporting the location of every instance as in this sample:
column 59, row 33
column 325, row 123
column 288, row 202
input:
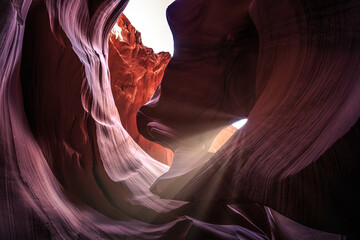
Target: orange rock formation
column 135, row 71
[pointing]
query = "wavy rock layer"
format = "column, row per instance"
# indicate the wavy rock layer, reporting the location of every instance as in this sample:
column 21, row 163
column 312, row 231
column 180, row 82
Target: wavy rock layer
column 135, row 71
column 70, row 170
column 299, row 151
column 210, row 81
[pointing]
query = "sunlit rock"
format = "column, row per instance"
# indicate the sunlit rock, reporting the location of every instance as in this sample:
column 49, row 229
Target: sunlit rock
column 135, row 71
column 70, row 170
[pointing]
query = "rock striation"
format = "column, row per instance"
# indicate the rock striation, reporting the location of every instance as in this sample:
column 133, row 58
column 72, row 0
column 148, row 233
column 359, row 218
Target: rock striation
column 70, row 170
column 292, row 69
column 135, row 72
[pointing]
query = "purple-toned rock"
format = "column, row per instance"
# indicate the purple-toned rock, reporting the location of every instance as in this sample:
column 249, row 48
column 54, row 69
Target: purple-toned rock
column 70, row 170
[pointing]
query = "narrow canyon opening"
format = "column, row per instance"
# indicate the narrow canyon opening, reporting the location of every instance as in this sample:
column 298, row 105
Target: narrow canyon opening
column 76, row 105
column 137, row 61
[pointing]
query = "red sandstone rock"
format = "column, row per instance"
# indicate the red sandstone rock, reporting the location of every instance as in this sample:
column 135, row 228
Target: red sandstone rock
column 210, row 81
column 69, row 170
column 299, row 151
column 135, row 72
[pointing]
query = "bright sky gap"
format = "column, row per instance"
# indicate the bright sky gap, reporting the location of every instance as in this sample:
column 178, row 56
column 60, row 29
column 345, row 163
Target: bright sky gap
column 149, row 18
column 239, row 124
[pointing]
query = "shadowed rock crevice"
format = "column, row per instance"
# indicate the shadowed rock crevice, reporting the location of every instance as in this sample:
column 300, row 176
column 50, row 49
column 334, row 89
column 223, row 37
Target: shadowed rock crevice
column 69, row 169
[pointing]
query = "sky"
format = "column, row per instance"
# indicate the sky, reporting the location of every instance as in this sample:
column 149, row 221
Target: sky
column 149, row 18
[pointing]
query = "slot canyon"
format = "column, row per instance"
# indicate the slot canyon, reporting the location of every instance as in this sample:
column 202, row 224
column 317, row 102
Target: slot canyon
column 103, row 138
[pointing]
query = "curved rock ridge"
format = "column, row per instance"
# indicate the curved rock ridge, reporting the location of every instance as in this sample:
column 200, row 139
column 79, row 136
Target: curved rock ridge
column 70, row 170
column 135, row 72
column 299, row 151
column 210, row 81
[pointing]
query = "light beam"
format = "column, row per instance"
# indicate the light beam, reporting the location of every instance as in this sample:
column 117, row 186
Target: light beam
column 240, row 123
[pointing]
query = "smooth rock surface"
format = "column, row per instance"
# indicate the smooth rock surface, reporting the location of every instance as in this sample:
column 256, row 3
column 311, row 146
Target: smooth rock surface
column 70, row 170
column 135, row 72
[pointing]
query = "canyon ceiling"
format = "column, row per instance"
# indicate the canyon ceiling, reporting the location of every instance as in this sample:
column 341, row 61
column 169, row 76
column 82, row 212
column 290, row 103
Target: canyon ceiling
column 101, row 138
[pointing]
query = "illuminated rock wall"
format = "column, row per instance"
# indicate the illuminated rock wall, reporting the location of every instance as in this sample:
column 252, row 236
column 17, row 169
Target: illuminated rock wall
column 70, row 170
column 299, row 151
column 135, row 72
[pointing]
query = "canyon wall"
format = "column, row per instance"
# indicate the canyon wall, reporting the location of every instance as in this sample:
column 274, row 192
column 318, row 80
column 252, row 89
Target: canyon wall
column 70, row 169
column 135, row 72
column 299, row 151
